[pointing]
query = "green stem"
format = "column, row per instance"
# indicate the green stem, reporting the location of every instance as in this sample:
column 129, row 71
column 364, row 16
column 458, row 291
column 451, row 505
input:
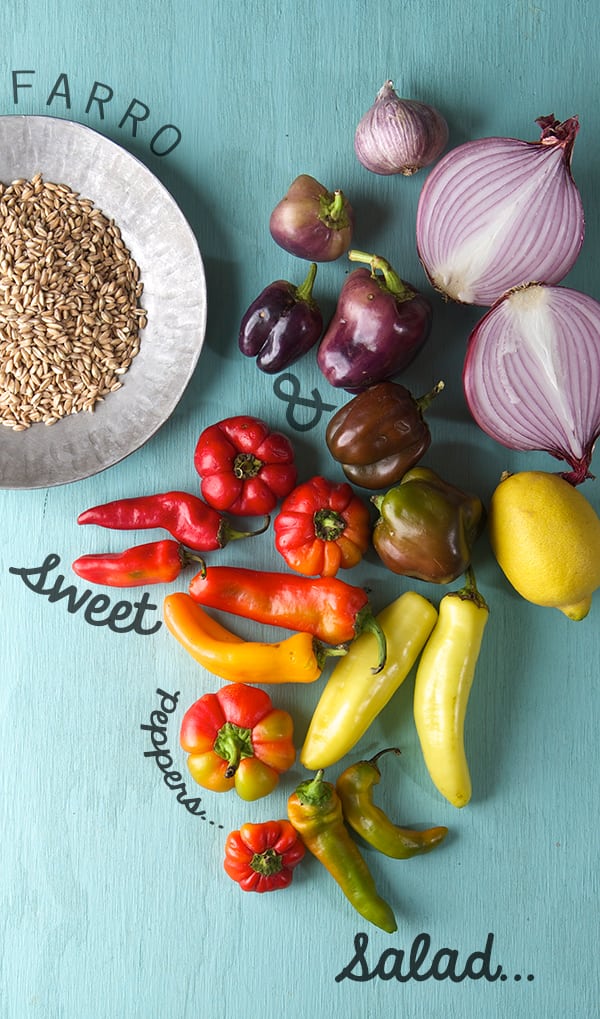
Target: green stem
column 304, row 291
column 328, row 524
column 424, row 401
column 267, row 863
column 332, row 210
column 470, row 591
column 314, row 792
column 366, row 623
column 391, row 280
column 233, row 743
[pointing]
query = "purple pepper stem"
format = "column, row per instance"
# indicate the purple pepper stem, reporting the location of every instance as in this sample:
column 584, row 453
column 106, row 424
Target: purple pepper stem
column 304, row 291
column 332, row 210
column 391, row 280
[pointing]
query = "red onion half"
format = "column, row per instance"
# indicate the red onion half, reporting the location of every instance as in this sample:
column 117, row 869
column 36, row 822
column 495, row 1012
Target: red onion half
column 532, row 374
column 498, row 213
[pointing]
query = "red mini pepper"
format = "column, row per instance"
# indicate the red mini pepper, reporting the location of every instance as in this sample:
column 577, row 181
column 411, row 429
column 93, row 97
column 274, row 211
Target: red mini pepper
column 333, row 611
column 261, row 857
column 235, row 738
column 186, row 517
column 156, row 562
column 245, row 468
column 322, row 527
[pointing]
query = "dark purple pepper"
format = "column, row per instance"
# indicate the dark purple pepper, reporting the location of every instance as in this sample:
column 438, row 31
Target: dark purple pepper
column 282, row 324
column 379, row 326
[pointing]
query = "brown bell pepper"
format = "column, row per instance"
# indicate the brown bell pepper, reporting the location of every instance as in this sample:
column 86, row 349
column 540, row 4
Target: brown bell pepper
column 380, row 434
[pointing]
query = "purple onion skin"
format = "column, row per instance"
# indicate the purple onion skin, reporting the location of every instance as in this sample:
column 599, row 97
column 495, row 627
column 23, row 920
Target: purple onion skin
column 279, row 327
column 311, row 222
column 372, row 336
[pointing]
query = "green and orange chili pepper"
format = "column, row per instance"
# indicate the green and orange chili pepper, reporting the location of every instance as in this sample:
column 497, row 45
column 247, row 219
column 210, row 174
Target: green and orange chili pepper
column 156, row 562
column 355, row 789
column 315, row 810
column 261, row 857
column 322, row 527
column 236, row 739
column 297, row 659
column 331, row 610
column 186, row 517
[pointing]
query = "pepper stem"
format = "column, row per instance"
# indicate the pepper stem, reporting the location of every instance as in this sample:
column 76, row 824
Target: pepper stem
column 325, row 651
column 328, row 524
column 424, row 401
column 228, row 533
column 267, row 863
column 366, row 623
column 314, row 792
column 332, row 210
column 387, row 750
column 391, row 280
column 304, row 291
column 233, row 743
column 246, row 465
column 470, row 591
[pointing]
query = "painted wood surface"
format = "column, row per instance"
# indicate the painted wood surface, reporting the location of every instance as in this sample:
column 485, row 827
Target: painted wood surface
column 114, row 900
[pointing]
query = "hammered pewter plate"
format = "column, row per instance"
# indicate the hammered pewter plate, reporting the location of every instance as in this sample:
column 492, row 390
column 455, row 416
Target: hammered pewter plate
column 174, row 296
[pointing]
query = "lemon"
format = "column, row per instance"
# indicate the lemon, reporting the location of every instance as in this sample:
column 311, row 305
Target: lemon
column 545, row 536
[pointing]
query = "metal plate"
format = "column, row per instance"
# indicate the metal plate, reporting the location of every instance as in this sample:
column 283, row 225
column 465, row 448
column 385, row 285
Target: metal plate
column 165, row 249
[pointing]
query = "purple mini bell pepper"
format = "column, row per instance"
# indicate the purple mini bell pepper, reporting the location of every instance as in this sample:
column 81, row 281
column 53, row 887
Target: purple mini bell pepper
column 379, row 326
column 282, row 324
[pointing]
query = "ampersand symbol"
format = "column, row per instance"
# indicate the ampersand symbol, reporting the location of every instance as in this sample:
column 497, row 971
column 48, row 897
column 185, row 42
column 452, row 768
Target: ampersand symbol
column 293, row 399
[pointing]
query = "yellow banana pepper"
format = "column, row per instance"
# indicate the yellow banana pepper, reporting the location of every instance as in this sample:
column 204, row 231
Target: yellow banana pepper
column 353, row 696
column 442, row 688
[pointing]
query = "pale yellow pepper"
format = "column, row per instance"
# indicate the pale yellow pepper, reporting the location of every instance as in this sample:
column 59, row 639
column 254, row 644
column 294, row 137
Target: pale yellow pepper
column 353, row 695
column 442, row 687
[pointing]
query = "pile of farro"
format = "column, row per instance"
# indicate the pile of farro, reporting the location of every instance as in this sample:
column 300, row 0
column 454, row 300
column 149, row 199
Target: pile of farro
column 70, row 318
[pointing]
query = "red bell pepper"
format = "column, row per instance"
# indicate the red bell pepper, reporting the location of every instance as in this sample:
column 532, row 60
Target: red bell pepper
column 236, row 739
column 245, row 468
column 322, row 527
column 261, row 857
column 156, row 562
column 185, row 516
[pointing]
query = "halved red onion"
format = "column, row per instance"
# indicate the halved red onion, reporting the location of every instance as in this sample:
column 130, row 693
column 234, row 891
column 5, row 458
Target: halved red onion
column 498, row 213
column 532, row 374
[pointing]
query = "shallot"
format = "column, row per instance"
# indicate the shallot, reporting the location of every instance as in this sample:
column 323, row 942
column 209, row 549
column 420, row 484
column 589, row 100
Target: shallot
column 532, row 374
column 499, row 213
column 399, row 135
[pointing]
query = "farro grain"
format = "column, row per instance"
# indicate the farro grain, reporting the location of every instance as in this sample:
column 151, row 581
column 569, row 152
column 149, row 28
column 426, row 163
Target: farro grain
column 70, row 319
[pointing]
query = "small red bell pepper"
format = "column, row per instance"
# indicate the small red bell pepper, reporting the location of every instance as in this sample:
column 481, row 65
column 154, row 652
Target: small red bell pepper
column 244, row 467
column 185, row 516
column 322, row 527
column 261, row 857
column 156, row 562
column 236, row 739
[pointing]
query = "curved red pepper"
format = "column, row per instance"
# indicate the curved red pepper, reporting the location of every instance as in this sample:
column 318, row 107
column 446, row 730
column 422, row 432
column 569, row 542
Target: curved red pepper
column 330, row 609
column 185, row 516
column 245, row 468
column 156, row 562
column 322, row 527
column 261, row 857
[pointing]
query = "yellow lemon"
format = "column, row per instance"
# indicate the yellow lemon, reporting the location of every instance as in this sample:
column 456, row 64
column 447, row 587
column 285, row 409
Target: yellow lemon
column 545, row 536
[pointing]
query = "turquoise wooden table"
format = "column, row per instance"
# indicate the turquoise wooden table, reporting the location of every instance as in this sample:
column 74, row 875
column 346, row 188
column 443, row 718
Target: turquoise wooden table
column 114, row 899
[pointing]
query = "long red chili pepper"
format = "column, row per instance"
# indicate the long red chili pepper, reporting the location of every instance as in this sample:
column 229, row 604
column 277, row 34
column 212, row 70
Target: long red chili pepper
column 330, row 609
column 157, row 562
column 186, row 517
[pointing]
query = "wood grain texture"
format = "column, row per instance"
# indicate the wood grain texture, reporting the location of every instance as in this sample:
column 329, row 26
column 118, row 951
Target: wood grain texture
column 114, row 901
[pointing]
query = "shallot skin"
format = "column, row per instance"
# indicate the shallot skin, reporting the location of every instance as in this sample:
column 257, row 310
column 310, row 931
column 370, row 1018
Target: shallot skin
column 399, row 136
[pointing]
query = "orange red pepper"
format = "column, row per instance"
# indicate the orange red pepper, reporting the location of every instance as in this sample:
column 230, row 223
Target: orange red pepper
column 322, row 527
column 261, row 857
column 236, row 739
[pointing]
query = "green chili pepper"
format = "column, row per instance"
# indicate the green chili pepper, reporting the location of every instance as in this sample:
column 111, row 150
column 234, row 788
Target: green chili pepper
column 355, row 789
column 315, row 811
